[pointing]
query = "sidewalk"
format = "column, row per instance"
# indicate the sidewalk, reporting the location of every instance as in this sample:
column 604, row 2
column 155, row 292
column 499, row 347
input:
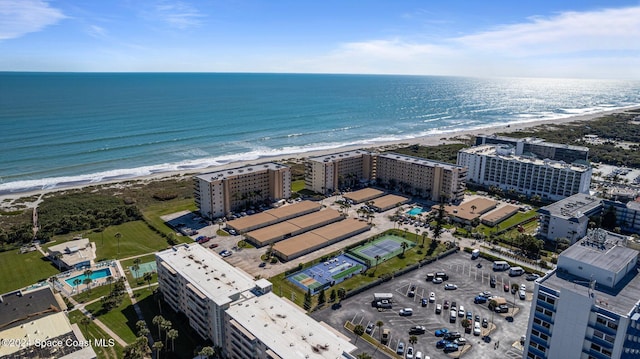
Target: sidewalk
column 97, row 321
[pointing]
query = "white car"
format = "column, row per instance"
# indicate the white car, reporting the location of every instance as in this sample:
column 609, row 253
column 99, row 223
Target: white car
column 409, row 354
column 461, row 311
column 522, row 294
column 476, row 329
column 523, row 287
column 437, row 280
column 432, row 297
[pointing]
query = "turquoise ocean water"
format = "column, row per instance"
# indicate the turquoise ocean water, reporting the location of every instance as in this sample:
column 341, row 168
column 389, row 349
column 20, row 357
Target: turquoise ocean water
column 59, row 129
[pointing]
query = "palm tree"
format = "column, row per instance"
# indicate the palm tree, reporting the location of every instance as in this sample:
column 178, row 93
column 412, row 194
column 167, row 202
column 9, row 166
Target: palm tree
column 379, row 324
column 404, row 246
column 157, row 320
column 76, row 282
column 377, row 257
column 136, row 266
column 57, row 256
column 118, row 235
column 358, row 330
column 466, row 323
column 473, row 208
column 87, row 280
column 148, row 276
column 109, row 280
column 166, row 325
column 158, row 347
column 341, row 293
column 172, row 334
column 207, row 352
column 417, row 234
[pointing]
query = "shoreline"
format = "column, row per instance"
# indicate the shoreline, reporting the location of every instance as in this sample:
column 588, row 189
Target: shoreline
column 7, row 199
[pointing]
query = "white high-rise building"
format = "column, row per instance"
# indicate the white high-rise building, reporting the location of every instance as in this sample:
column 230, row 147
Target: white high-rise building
column 240, row 314
column 500, row 166
column 326, row 174
column 588, row 307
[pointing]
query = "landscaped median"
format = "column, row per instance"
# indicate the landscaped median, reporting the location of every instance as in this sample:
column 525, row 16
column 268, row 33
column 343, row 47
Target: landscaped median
column 350, row 327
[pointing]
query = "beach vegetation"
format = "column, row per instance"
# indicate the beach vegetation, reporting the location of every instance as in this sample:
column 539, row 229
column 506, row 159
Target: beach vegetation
column 444, row 153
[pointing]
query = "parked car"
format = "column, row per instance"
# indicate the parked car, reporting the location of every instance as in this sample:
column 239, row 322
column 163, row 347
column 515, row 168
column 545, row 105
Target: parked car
column 460, row 341
column 213, row 245
column 469, row 315
column 492, row 281
column 441, row 332
column 522, row 294
column 386, row 333
column 479, row 300
column 532, row 277
column 409, row 354
column 442, row 343
column 369, row 329
column 476, row 329
column 450, row 348
column 418, row 329
column 485, row 323
column 405, row 312
column 452, row 335
column 262, row 265
column 445, row 305
column 432, row 297
column 400, row 348
column 506, row 288
column 449, row 286
column 424, row 302
column 437, row 280
column 438, row 308
column 225, row 253
column 419, row 355
column 461, row 311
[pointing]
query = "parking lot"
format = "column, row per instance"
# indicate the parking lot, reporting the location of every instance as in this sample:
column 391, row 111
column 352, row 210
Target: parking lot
column 503, row 336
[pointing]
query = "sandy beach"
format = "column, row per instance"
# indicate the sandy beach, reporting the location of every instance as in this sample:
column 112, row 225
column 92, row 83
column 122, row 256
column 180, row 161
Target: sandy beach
column 7, row 201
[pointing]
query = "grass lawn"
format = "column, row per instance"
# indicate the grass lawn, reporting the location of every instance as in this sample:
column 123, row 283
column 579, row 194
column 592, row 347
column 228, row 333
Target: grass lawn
column 91, row 332
column 20, row 270
column 511, row 221
column 121, row 320
column 153, row 211
column 96, row 292
column 297, row 185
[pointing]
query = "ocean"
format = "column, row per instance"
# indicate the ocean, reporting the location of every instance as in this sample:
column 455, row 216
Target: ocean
column 60, row 129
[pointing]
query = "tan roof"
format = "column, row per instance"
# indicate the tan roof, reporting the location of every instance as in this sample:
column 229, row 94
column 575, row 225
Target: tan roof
column 270, row 233
column 299, row 243
column 500, row 214
column 287, row 211
column 389, row 200
column 363, row 195
column 464, row 210
column 253, row 221
column 311, row 219
column 319, row 237
column 338, row 229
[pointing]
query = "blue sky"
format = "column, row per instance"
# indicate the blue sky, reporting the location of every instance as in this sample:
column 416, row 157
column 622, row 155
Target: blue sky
column 584, row 39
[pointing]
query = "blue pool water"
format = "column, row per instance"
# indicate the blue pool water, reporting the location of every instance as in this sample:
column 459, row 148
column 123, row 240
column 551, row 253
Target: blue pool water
column 100, row 273
column 415, row 211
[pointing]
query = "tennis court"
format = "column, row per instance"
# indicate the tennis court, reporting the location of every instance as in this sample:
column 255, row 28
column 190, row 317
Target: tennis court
column 144, row 268
column 384, row 248
column 326, row 274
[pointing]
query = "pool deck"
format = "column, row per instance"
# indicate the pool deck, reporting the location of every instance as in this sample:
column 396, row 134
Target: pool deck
column 71, row 290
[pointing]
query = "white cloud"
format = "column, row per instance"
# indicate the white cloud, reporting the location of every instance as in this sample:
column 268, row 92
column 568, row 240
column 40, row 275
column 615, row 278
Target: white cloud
column 178, row 14
column 603, row 43
column 20, row 17
column 568, row 32
column 97, row 31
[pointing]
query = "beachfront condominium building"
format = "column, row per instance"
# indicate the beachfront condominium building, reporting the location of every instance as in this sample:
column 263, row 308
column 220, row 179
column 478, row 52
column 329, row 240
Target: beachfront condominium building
column 501, row 166
column 627, row 215
column 430, row 179
column 539, row 148
column 219, row 193
column 568, row 218
column 239, row 314
column 326, row 174
column 588, row 307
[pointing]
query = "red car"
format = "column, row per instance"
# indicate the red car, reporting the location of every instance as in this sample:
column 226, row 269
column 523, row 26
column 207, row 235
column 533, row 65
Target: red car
column 213, row 245
column 506, row 288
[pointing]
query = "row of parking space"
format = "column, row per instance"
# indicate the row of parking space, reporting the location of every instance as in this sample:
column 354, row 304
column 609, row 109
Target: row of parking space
column 415, row 293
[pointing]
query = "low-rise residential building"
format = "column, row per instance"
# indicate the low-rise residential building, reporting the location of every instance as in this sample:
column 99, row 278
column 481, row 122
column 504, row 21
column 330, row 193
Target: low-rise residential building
column 503, row 167
column 220, row 193
column 75, row 254
column 589, row 306
column 569, row 217
column 227, row 306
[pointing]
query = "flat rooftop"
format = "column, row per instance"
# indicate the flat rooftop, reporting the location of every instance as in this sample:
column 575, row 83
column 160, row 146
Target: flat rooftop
column 534, row 140
column 500, row 213
column 339, row 156
column 320, row 235
column 418, row 161
column 466, row 212
column 278, row 230
column 286, row 330
column 234, row 172
column 491, row 151
column 74, row 251
column 573, row 206
column 363, row 195
column 608, row 252
column 19, row 308
column 39, row 329
column 273, row 215
column 207, row 271
column 389, row 201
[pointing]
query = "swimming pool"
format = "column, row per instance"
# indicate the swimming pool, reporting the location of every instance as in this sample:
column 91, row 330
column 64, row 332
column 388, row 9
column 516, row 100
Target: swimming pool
column 100, row 273
column 415, row 211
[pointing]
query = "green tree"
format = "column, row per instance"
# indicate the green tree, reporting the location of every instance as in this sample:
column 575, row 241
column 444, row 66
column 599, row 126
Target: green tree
column 358, row 330
column 85, row 321
column 207, row 352
column 166, row 325
column 307, row 300
column 172, row 335
column 380, row 324
column 157, row 320
column 87, row 279
column 332, row 295
column 118, row 235
column 321, row 297
column 136, row 266
column 342, row 293
column 148, row 276
column 466, row 323
column 439, row 226
column 364, row 355
column 413, row 339
column 157, row 346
